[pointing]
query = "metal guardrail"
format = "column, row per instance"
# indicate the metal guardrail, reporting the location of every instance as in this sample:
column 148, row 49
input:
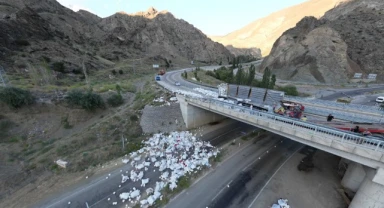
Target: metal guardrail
column 310, row 128
column 344, row 106
column 347, row 116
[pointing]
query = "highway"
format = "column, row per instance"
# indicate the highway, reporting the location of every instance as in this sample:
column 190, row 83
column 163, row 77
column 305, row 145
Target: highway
column 240, row 178
column 95, row 192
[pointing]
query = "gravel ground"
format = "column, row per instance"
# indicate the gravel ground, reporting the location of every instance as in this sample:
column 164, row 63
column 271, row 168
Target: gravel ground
column 162, row 119
column 315, row 189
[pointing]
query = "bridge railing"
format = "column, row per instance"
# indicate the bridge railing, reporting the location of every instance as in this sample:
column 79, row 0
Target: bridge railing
column 316, row 130
column 350, row 106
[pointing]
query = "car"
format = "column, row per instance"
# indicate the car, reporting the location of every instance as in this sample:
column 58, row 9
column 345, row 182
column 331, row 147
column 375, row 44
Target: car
column 177, row 83
column 380, row 99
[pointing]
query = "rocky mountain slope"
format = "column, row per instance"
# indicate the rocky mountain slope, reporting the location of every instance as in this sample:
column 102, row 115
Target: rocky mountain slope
column 347, row 40
column 33, row 29
column 263, row 32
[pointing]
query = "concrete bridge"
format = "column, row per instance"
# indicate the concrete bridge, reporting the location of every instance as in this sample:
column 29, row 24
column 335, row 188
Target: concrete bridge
column 365, row 173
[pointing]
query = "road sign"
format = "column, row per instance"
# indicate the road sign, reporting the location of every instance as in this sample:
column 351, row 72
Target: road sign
column 155, row 65
column 372, row 76
column 358, row 75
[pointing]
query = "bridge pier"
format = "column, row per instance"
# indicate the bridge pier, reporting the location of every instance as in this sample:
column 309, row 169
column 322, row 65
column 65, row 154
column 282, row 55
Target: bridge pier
column 353, row 177
column 371, row 191
column 194, row 116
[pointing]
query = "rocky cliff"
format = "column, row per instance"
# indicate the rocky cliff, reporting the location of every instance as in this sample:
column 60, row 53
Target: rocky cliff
column 347, row 40
column 32, row 29
column 262, row 33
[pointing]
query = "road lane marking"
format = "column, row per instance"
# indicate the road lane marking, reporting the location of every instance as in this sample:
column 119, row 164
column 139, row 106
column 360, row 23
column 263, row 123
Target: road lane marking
column 224, row 134
column 259, row 157
column 273, row 176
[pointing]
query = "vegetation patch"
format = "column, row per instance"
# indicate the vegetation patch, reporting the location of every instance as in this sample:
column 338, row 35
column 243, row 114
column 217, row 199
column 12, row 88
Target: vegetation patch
column 15, row 97
column 89, row 101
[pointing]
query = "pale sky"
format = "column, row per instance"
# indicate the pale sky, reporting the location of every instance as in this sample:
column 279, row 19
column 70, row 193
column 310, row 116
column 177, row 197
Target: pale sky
column 212, row 17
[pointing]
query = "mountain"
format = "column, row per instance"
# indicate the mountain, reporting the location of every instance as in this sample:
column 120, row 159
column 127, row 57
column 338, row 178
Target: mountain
column 36, row 30
column 346, row 40
column 263, row 32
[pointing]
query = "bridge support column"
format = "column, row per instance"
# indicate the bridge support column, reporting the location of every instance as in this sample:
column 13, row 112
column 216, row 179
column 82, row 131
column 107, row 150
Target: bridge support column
column 371, row 191
column 194, row 116
column 353, row 177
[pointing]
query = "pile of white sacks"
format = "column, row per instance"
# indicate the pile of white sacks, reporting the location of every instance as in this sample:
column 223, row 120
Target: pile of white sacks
column 207, row 92
column 281, row 203
column 174, row 156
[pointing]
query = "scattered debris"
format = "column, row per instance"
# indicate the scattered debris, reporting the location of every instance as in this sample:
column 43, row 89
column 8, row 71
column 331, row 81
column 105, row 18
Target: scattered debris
column 61, row 163
column 281, row 203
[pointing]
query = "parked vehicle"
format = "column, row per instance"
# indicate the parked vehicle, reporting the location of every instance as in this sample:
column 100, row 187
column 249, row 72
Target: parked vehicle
column 380, row 99
column 157, row 78
column 177, row 83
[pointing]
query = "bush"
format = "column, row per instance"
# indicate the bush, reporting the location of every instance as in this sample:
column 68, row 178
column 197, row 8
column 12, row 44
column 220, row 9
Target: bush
column 113, row 72
column 88, row 101
column 22, row 42
column 16, row 97
column 134, row 118
column 46, row 59
column 115, row 100
column 58, row 66
column 289, row 90
column 121, row 71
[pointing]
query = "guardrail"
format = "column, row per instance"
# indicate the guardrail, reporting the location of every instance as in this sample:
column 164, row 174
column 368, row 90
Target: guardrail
column 319, row 131
column 344, row 106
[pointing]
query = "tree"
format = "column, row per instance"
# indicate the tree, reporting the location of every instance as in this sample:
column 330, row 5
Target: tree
column 239, row 75
column 234, row 63
column 266, row 78
column 185, row 74
column 230, row 76
column 251, row 75
column 273, row 82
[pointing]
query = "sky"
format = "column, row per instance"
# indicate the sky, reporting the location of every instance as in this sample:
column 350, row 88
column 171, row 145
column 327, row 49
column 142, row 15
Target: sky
column 212, row 17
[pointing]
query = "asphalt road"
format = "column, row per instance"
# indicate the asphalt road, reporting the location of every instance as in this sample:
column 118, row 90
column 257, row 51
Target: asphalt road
column 238, row 180
column 96, row 191
column 351, row 93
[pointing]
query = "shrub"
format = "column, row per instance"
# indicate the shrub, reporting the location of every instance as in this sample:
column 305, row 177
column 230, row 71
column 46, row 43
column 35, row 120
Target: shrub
column 115, row 100
column 289, row 90
column 21, row 42
column 121, row 71
column 58, row 66
column 91, row 101
column 46, row 59
column 16, row 97
column 113, row 72
column 88, row 101
column 133, row 118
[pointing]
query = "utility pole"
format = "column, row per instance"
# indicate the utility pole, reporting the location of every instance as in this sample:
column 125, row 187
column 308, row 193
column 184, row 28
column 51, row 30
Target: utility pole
column 122, row 140
column 3, row 78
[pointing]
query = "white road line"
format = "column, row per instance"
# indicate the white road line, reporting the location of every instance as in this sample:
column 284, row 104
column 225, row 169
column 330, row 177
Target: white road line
column 224, row 134
column 261, row 156
column 221, row 190
column 273, row 176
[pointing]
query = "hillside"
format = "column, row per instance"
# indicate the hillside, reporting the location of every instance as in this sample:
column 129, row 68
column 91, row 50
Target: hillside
column 347, row 40
column 263, row 32
column 33, row 31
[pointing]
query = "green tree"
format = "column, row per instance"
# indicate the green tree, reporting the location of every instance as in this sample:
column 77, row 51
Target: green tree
column 186, row 75
column 272, row 82
column 239, row 75
column 230, row 76
column 266, row 78
column 234, row 63
column 251, row 74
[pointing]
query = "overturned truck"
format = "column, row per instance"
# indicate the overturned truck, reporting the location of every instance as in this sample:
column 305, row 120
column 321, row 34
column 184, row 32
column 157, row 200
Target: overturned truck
column 260, row 99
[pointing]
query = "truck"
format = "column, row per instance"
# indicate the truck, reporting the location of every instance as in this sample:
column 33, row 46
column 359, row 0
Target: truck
column 161, row 72
column 258, row 98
